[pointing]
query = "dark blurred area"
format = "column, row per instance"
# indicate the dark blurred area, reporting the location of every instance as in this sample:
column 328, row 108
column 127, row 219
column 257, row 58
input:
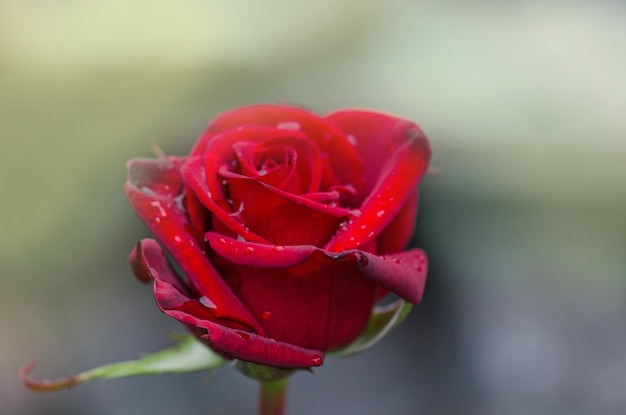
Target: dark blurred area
column 525, row 306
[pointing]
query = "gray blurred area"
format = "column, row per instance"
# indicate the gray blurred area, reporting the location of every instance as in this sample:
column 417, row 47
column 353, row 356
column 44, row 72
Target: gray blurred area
column 524, row 102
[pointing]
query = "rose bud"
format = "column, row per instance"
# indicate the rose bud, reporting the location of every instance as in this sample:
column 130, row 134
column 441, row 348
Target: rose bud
column 288, row 229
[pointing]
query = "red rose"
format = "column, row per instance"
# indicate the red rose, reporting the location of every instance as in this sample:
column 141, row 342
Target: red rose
column 288, row 226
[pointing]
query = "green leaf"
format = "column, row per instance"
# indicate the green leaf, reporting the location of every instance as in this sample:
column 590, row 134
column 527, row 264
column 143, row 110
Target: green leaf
column 188, row 355
column 382, row 321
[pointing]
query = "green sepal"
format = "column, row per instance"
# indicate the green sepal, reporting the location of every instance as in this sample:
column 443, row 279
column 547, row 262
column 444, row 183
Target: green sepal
column 263, row 373
column 383, row 319
column 188, row 355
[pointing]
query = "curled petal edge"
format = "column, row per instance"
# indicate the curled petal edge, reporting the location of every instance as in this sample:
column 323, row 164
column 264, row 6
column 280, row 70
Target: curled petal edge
column 173, row 229
column 240, row 344
column 403, row 273
column 235, row 343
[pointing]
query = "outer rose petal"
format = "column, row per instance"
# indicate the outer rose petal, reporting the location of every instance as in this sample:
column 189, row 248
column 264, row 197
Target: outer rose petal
column 397, row 235
column 375, row 135
column 337, row 287
column 163, row 215
column 259, row 349
column 147, row 257
column 174, row 301
column 398, row 179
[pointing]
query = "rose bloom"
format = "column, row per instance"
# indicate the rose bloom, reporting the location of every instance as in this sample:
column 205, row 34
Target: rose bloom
column 288, row 228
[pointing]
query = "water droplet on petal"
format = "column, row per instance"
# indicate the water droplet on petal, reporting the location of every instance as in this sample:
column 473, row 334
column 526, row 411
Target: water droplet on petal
column 266, row 315
column 177, row 239
column 278, row 248
column 157, row 204
column 369, row 235
column 205, row 301
column 363, row 226
column 250, row 249
column 351, row 239
column 351, row 139
column 243, row 335
column 223, row 241
column 288, row 125
column 422, row 259
column 396, row 260
column 380, row 213
column 317, row 360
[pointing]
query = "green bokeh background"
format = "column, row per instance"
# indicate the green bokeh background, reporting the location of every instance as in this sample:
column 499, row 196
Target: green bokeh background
column 525, row 226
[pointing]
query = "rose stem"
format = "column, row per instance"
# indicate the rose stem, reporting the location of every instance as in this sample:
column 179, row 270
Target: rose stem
column 273, row 397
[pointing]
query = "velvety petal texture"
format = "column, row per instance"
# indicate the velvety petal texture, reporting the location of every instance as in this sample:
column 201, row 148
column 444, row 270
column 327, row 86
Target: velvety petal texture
column 288, row 228
column 175, row 301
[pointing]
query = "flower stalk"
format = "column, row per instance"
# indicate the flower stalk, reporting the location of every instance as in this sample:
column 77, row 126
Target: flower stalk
column 273, row 397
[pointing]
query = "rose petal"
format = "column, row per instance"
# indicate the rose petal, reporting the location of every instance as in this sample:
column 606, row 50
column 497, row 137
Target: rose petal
column 135, row 262
column 296, row 151
column 233, row 342
column 198, row 215
column 224, row 144
column 149, row 263
column 375, row 137
column 242, row 150
column 163, row 215
column 241, row 147
column 170, row 291
column 397, row 234
column 193, row 172
column 273, row 280
column 398, row 179
column 259, row 349
column 283, row 177
column 342, row 156
column 258, row 255
column 283, row 218
column 402, row 273
column 221, row 150
column 159, row 176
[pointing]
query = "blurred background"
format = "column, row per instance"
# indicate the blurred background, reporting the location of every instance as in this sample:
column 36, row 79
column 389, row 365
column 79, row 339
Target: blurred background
column 525, row 307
